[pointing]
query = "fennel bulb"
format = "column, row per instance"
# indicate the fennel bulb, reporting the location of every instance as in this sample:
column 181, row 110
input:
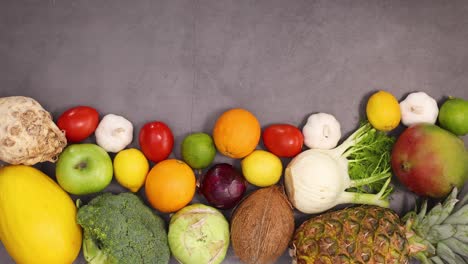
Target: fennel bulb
column 357, row 171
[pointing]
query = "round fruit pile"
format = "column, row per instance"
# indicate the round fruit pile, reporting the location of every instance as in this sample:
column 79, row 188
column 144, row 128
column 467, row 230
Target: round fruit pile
column 322, row 170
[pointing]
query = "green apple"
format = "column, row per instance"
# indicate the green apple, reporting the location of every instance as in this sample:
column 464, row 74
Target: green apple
column 84, row 169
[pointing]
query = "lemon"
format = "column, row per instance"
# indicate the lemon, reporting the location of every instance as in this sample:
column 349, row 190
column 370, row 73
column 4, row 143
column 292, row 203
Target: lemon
column 131, row 168
column 262, row 168
column 383, row 111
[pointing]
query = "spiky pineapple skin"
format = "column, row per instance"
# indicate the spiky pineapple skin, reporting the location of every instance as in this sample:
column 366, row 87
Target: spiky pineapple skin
column 363, row 234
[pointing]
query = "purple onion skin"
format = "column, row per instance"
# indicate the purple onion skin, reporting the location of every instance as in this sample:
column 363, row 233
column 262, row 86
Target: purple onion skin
column 223, row 186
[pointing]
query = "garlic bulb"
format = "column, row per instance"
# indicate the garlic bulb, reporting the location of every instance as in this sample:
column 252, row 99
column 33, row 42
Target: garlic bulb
column 417, row 108
column 114, row 133
column 322, row 131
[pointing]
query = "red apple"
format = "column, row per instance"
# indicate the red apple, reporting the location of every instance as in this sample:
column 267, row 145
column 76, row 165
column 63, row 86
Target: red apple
column 429, row 160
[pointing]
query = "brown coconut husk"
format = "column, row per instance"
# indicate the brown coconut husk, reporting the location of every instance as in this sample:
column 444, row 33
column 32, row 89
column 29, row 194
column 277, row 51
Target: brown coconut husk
column 262, row 226
column 28, row 134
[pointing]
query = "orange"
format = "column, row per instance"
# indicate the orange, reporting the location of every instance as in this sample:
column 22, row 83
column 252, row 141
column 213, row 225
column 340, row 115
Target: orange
column 236, row 133
column 170, row 185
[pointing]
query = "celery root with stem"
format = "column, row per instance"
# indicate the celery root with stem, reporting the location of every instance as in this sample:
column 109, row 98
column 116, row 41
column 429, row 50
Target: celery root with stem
column 357, row 171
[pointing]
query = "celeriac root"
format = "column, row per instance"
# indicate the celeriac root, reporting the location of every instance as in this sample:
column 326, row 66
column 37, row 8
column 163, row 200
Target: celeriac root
column 28, row 134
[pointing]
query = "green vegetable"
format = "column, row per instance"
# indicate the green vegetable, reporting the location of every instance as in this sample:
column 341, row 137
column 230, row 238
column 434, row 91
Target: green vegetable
column 368, row 152
column 357, row 171
column 199, row 234
column 121, row 229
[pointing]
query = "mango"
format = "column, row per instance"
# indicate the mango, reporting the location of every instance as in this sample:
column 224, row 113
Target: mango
column 429, row 160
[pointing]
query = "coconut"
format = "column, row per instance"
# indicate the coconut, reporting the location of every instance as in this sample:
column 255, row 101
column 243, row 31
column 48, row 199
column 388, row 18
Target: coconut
column 28, row 134
column 262, row 226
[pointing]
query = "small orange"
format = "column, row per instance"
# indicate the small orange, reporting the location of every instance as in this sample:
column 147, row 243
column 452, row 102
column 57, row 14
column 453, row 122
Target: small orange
column 236, row 133
column 170, row 185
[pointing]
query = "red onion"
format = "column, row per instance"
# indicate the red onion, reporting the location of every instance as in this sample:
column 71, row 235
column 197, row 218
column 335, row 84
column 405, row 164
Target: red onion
column 223, row 186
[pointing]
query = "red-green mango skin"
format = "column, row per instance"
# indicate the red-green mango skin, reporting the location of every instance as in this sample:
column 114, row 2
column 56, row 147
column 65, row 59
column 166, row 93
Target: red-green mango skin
column 429, row 160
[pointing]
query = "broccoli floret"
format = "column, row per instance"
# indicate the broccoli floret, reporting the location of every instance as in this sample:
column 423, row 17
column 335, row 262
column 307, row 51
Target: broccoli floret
column 121, row 229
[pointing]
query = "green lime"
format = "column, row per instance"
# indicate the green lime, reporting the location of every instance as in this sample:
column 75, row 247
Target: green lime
column 453, row 116
column 198, row 150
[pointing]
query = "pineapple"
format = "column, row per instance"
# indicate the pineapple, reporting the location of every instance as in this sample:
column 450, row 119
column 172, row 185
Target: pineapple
column 372, row 234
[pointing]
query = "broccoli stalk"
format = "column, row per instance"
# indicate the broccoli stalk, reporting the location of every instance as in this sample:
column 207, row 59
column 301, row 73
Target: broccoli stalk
column 121, row 229
column 93, row 254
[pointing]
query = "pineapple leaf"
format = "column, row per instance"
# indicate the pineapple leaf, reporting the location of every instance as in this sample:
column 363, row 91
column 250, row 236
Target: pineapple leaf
column 440, row 212
column 457, row 246
column 422, row 213
column 462, row 203
column 423, row 210
column 460, row 217
column 445, row 226
column 444, row 252
column 441, row 232
column 409, row 217
column 413, row 220
column 459, row 260
column 461, row 233
column 423, row 258
column 431, row 218
column 411, row 225
column 430, row 250
column 437, row 260
column 447, row 206
column 418, row 245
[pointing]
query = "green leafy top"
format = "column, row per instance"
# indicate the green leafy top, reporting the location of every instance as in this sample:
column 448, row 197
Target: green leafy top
column 368, row 152
column 121, row 229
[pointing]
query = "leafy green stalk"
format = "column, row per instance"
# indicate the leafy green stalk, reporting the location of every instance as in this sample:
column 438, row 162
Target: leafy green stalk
column 366, row 198
column 368, row 153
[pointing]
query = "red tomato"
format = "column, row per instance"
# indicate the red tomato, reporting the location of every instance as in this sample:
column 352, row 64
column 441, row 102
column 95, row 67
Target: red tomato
column 283, row 140
column 78, row 122
column 156, row 141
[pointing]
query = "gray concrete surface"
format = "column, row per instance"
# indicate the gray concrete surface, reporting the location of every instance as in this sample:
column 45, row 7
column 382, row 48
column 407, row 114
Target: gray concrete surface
column 185, row 62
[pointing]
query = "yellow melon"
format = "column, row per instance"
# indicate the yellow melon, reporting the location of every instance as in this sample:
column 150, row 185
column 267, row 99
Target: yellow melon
column 37, row 218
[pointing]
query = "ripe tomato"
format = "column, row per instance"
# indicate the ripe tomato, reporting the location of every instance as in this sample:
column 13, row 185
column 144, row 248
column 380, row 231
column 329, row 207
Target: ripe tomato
column 78, row 122
column 156, row 141
column 283, row 140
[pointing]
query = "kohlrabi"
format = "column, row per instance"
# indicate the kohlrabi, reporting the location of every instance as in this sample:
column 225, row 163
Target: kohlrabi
column 357, row 171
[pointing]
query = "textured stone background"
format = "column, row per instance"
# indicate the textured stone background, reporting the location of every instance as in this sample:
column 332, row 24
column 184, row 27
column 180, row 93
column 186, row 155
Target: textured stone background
column 185, row 62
